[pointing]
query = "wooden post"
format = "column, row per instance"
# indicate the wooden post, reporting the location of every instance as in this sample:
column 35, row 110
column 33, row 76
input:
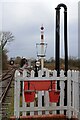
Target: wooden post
column 69, row 94
column 17, row 73
column 32, row 103
column 23, row 98
column 46, row 95
column 17, row 94
column 73, row 90
column 40, row 95
column 76, row 92
column 62, row 91
column 54, row 104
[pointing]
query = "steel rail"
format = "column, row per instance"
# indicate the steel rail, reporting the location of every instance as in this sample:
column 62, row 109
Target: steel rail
column 6, row 88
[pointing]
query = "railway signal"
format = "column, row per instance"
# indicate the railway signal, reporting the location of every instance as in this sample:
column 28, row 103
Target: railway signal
column 41, row 48
column 11, row 61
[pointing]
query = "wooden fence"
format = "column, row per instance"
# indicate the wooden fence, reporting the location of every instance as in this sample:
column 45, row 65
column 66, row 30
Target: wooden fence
column 41, row 104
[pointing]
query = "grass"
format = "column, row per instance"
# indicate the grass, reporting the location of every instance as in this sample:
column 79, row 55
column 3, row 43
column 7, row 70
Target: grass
column 10, row 107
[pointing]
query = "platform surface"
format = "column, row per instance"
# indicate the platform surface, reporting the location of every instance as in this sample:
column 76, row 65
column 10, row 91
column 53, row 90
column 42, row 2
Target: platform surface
column 43, row 117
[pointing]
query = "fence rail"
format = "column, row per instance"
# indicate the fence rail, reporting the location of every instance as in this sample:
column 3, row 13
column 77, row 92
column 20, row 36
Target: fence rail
column 41, row 104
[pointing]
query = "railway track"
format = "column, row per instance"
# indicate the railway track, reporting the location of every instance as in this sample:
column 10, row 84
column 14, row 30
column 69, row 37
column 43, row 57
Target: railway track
column 5, row 86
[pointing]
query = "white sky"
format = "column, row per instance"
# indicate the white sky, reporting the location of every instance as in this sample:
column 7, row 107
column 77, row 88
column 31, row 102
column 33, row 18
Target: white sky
column 24, row 17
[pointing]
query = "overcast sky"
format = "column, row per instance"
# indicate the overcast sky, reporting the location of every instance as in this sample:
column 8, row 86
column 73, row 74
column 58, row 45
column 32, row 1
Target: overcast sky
column 24, row 17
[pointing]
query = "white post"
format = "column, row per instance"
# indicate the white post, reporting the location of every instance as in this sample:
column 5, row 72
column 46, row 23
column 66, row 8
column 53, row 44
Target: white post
column 16, row 102
column 54, row 104
column 42, row 63
column 23, row 98
column 73, row 90
column 77, row 90
column 62, row 91
column 69, row 94
column 32, row 103
column 76, row 93
column 40, row 95
column 46, row 94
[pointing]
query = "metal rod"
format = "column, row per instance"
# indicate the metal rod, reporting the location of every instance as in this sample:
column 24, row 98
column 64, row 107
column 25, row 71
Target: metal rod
column 57, row 49
column 57, row 52
column 65, row 42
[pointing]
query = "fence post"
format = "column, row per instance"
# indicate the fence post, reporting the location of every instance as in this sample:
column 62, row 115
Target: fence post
column 73, row 90
column 76, row 88
column 15, row 90
column 62, row 91
column 32, row 103
column 39, row 94
column 77, row 92
column 23, row 98
column 54, row 104
column 69, row 94
column 46, row 95
column 16, row 94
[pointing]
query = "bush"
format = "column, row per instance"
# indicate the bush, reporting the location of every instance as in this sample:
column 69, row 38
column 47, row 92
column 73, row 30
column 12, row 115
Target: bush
column 4, row 60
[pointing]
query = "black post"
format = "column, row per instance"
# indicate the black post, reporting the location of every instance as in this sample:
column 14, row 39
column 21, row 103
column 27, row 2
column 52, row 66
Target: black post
column 57, row 52
column 66, row 53
column 65, row 41
column 36, row 70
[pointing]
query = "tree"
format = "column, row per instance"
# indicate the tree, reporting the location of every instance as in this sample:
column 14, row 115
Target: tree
column 4, row 60
column 5, row 37
column 18, row 60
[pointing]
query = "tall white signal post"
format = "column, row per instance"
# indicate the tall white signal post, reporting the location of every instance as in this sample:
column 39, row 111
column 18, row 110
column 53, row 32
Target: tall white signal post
column 41, row 48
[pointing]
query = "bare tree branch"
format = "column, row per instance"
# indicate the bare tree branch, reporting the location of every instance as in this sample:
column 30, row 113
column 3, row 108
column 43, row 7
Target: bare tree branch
column 5, row 37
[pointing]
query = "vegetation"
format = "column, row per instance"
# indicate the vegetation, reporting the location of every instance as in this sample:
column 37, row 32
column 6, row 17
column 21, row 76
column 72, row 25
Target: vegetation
column 10, row 107
column 4, row 60
column 5, row 38
column 18, row 61
column 73, row 63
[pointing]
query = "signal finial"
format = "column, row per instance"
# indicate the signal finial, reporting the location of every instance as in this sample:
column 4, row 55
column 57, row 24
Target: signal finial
column 42, row 28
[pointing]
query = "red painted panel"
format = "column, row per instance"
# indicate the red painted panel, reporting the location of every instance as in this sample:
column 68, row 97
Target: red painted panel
column 39, row 85
column 31, row 86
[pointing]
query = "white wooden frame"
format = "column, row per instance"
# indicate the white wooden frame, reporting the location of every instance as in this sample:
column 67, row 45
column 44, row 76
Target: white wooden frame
column 72, row 107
